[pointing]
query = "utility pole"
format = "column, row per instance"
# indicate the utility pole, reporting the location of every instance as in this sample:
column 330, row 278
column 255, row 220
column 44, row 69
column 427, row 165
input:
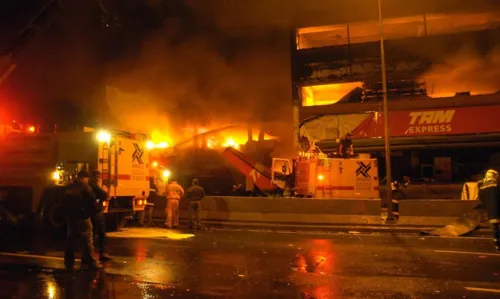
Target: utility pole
column 390, row 214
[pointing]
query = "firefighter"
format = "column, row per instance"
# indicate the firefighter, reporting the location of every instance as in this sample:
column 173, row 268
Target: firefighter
column 174, row 192
column 489, row 195
column 160, row 187
column 99, row 221
column 346, row 148
column 148, row 209
column 78, row 204
column 194, row 195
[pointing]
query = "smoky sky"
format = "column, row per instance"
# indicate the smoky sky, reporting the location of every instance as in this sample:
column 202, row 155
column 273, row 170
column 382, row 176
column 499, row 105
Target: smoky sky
column 169, row 63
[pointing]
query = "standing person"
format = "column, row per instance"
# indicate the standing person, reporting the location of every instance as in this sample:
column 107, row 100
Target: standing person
column 99, row 220
column 174, row 192
column 194, row 195
column 489, row 195
column 79, row 206
column 148, row 209
column 160, row 187
column 346, row 148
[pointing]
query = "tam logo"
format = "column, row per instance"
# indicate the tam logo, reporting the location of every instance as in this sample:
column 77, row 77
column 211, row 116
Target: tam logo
column 438, row 121
column 431, row 117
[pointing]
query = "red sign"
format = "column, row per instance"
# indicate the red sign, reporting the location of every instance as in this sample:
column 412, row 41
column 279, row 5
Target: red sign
column 428, row 122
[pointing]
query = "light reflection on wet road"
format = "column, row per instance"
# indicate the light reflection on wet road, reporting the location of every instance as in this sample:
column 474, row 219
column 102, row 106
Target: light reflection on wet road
column 156, row 263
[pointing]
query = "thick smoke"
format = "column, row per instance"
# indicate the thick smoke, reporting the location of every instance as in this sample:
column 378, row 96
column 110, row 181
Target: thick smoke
column 466, row 71
column 225, row 62
column 204, row 79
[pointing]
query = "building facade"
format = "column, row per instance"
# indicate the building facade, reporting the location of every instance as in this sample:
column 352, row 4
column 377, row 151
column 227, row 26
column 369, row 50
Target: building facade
column 441, row 85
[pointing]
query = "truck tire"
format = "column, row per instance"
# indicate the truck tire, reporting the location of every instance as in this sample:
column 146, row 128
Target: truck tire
column 53, row 215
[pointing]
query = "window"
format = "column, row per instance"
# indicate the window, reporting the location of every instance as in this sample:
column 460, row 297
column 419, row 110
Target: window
column 364, row 32
column 445, row 24
column 395, row 28
column 327, row 94
column 324, row 36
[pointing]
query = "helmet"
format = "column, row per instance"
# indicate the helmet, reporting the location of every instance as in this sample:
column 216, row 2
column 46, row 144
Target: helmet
column 491, row 174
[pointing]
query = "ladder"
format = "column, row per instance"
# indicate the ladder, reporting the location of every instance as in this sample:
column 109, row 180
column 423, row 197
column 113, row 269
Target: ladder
column 108, row 167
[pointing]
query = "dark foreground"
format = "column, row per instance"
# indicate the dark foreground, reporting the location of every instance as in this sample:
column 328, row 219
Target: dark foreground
column 156, row 263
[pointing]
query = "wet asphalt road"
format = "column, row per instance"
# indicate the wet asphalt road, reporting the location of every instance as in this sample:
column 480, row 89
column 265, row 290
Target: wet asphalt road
column 157, row 263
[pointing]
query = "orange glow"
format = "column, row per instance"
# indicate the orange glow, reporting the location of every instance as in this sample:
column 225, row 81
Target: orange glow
column 395, row 28
column 327, row 94
column 231, row 143
column 31, row 129
column 141, row 253
column 104, row 203
column 154, row 164
column 233, row 137
column 140, row 202
column 215, row 137
column 160, row 139
column 321, row 177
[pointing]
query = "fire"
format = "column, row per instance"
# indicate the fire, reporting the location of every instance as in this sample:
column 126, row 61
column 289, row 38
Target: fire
column 231, row 143
column 213, row 137
column 159, row 139
column 327, row 94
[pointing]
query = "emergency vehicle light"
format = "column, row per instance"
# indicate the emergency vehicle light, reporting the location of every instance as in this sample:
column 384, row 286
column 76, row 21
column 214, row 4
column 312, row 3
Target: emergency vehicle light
column 103, row 136
column 31, row 129
column 56, row 175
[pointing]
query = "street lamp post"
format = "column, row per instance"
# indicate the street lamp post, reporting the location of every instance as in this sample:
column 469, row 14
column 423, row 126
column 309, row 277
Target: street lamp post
column 390, row 215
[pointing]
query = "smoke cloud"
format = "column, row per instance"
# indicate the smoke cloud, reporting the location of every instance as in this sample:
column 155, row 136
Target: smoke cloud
column 226, row 62
column 202, row 79
column 466, row 71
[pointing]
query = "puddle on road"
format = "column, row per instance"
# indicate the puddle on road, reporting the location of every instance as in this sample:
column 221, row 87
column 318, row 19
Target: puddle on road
column 87, row 284
column 150, row 233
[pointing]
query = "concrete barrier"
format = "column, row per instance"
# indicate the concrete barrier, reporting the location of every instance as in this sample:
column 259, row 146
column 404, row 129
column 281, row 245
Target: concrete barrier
column 433, row 212
column 429, row 191
column 282, row 210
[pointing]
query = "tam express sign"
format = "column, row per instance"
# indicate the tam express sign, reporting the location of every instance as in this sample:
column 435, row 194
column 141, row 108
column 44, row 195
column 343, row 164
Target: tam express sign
column 428, row 122
column 438, row 121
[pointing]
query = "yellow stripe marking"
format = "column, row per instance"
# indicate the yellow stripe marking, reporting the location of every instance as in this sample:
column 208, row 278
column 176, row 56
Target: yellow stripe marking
column 34, row 256
column 482, row 290
column 468, row 252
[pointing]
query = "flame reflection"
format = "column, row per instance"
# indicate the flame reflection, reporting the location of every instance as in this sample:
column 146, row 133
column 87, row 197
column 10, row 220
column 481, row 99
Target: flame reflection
column 315, row 269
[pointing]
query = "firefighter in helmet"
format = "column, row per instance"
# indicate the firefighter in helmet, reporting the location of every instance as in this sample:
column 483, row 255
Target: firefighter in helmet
column 174, row 193
column 489, row 195
column 194, row 195
column 78, row 204
column 99, row 220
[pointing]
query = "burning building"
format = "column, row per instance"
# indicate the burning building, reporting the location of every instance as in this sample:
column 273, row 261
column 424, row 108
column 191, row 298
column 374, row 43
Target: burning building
column 442, row 69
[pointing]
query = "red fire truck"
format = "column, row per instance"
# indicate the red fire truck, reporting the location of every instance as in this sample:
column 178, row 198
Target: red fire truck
column 35, row 169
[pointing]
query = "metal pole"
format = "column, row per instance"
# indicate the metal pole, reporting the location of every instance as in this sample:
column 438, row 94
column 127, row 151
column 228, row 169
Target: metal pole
column 390, row 215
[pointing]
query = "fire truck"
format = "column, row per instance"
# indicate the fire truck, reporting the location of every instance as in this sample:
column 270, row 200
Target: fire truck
column 35, row 169
column 311, row 175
